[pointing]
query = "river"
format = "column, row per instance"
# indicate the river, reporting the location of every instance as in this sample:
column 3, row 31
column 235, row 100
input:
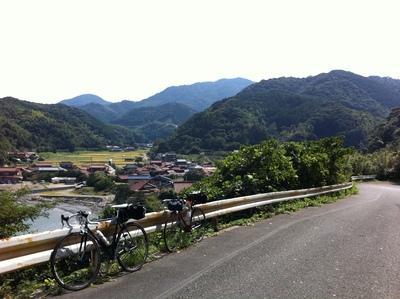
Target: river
column 42, row 224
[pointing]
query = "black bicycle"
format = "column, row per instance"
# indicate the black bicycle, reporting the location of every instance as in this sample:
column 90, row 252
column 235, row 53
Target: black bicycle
column 77, row 258
column 184, row 217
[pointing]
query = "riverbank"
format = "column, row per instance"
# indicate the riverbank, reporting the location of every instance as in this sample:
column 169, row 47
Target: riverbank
column 67, row 202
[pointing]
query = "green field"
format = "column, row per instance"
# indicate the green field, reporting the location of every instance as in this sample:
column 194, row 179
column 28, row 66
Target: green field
column 85, row 158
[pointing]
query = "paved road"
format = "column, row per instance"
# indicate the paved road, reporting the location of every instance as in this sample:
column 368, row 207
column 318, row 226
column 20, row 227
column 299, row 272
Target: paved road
column 348, row 249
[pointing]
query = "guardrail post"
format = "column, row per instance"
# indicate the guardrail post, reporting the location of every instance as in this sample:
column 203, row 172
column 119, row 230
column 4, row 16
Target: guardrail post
column 215, row 224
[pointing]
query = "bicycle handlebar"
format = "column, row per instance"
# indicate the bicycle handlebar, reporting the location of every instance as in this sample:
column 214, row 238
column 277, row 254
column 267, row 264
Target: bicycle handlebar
column 84, row 214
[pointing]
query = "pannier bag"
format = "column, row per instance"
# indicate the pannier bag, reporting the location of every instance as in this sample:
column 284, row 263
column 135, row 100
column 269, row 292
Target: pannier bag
column 132, row 212
column 175, row 205
column 198, row 197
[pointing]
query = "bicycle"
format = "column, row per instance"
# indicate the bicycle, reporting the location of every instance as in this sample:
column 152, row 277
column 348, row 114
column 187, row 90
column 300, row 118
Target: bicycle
column 184, row 217
column 77, row 258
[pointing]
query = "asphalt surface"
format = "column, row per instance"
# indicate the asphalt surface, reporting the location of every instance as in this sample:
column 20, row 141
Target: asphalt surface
column 348, row 249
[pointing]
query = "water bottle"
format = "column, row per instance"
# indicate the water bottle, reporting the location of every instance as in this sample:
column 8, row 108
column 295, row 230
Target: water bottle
column 188, row 214
column 101, row 237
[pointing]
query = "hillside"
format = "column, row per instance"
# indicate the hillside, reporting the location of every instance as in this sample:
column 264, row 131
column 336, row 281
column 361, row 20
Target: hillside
column 196, row 96
column 388, row 133
column 40, row 127
column 156, row 122
column 291, row 109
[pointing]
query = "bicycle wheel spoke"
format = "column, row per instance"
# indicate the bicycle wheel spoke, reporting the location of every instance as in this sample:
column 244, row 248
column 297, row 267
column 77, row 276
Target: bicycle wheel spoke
column 172, row 232
column 198, row 224
column 75, row 261
column 132, row 247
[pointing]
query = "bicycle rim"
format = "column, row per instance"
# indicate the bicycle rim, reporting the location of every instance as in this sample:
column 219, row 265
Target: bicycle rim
column 198, row 224
column 172, row 232
column 75, row 261
column 132, row 247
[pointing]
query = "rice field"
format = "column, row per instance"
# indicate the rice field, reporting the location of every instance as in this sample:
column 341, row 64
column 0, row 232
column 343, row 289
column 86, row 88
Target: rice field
column 85, row 158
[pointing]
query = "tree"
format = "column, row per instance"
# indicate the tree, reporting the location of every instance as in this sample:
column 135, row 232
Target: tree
column 271, row 167
column 100, row 181
column 14, row 214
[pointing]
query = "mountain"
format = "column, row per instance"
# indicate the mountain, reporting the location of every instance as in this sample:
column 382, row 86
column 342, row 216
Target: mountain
column 156, row 122
column 41, row 127
column 196, row 96
column 292, row 109
column 84, row 99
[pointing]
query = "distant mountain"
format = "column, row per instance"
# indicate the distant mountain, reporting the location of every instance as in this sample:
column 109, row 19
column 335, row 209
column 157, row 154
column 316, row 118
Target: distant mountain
column 40, row 127
column 292, row 109
column 197, row 96
column 156, row 122
column 84, row 100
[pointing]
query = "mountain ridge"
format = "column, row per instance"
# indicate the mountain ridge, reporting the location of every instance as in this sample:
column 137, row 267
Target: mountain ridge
column 291, row 109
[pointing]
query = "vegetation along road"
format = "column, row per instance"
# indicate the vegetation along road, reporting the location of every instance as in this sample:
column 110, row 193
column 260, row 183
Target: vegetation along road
column 348, row 249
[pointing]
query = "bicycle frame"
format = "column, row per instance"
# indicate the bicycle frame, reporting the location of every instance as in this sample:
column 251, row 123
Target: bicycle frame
column 183, row 218
column 110, row 249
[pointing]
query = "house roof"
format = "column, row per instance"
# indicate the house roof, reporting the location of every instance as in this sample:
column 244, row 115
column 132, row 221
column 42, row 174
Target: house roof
column 139, row 177
column 8, row 169
column 178, row 186
column 51, row 169
column 143, row 186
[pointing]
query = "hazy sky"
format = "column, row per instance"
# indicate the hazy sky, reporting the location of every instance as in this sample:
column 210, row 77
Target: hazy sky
column 130, row 50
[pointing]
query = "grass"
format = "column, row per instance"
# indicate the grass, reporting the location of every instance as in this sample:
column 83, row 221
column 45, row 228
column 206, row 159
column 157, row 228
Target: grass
column 37, row 281
column 85, row 158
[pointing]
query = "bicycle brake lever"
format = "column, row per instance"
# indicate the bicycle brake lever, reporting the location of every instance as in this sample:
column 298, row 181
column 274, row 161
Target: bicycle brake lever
column 64, row 219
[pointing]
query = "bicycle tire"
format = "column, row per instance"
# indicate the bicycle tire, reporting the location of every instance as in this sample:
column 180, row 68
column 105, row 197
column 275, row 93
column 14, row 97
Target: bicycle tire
column 75, row 261
column 198, row 224
column 172, row 232
column 132, row 247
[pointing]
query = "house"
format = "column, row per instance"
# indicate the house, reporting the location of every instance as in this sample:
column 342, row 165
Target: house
column 179, row 186
column 50, row 169
column 156, row 162
column 144, row 187
column 168, row 157
column 149, row 184
column 129, row 148
column 182, row 163
column 130, row 167
column 161, row 182
column 133, row 179
column 67, row 165
column 65, row 180
column 22, row 155
column 10, row 175
column 122, row 178
column 96, row 167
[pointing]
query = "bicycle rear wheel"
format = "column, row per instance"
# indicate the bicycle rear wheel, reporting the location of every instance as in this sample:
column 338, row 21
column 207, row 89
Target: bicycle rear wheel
column 198, row 224
column 75, row 261
column 132, row 247
column 172, row 232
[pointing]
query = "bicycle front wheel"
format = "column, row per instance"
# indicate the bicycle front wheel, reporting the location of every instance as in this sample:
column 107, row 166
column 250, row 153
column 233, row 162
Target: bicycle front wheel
column 132, row 247
column 172, row 232
column 198, row 224
column 75, row 261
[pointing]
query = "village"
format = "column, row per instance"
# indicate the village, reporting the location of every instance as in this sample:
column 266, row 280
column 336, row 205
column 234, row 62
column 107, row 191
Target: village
column 166, row 171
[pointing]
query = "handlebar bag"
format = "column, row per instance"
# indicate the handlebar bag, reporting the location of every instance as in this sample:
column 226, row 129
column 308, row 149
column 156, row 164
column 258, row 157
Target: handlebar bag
column 132, row 212
column 175, row 205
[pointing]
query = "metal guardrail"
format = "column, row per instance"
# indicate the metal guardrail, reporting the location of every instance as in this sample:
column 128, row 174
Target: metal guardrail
column 363, row 177
column 28, row 250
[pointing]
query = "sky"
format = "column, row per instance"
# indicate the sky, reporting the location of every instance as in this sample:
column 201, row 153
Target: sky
column 130, row 50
